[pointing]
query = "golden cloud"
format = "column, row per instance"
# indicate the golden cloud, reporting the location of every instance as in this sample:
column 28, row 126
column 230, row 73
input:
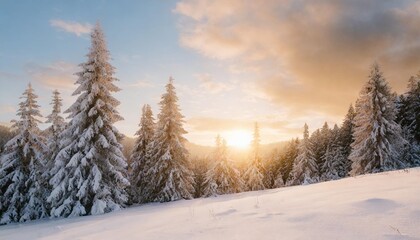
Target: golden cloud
column 211, row 86
column 306, row 55
column 221, row 124
column 57, row 75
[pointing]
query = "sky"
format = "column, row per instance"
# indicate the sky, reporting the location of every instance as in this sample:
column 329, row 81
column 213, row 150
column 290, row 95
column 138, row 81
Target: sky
column 279, row 63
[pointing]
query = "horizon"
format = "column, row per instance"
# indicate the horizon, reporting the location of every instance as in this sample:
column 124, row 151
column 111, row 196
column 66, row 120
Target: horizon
column 225, row 80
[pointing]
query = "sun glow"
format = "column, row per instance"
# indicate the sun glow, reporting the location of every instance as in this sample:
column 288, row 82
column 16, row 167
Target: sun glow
column 239, row 138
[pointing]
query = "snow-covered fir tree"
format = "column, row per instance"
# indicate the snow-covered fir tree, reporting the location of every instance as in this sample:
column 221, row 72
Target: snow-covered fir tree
column 254, row 174
column 54, row 131
column 222, row 177
column 89, row 175
column 320, row 139
column 334, row 159
column 317, row 143
column 139, row 158
column 413, row 113
column 409, row 118
column 22, row 188
column 377, row 138
column 272, row 168
column 5, row 135
column 305, row 170
column 410, row 151
column 277, row 176
column 170, row 172
column 287, row 159
column 346, row 136
column 200, row 166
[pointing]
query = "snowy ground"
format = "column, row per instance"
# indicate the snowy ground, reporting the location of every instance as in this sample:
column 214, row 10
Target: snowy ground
column 380, row 206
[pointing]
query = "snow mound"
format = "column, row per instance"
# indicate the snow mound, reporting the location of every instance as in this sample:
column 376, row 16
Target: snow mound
column 377, row 206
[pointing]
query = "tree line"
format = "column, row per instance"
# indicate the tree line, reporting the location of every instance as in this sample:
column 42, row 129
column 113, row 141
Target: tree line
column 78, row 168
column 381, row 133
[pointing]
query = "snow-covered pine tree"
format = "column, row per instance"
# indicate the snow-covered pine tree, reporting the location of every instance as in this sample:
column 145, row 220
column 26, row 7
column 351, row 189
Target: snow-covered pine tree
column 139, row 158
column 170, row 171
column 272, row 167
column 254, row 175
column 317, row 144
column 5, row 135
column 89, row 175
column 334, row 159
column 57, row 126
column 277, row 174
column 200, row 166
column 413, row 113
column 305, row 169
column 287, row 159
column 278, row 182
column 320, row 139
column 346, row 136
column 409, row 118
column 210, row 184
column 22, row 188
column 222, row 177
column 410, row 152
column 377, row 138
column 401, row 104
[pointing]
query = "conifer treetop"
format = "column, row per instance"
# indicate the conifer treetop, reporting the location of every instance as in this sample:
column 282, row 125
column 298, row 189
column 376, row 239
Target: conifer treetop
column 55, row 118
column 28, row 111
column 170, row 118
column 256, row 142
column 96, row 81
column 376, row 134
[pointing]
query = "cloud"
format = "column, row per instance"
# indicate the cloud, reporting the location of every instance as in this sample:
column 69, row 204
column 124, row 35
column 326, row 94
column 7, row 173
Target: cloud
column 221, row 124
column 211, row 86
column 142, row 84
column 57, row 75
column 72, row 27
column 307, row 56
column 217, row 124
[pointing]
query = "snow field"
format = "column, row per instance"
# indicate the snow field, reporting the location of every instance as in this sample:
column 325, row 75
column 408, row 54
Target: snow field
column 377, row 206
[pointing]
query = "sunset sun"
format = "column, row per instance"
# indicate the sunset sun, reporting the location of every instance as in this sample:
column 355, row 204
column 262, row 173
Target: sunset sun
column 239, row 138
